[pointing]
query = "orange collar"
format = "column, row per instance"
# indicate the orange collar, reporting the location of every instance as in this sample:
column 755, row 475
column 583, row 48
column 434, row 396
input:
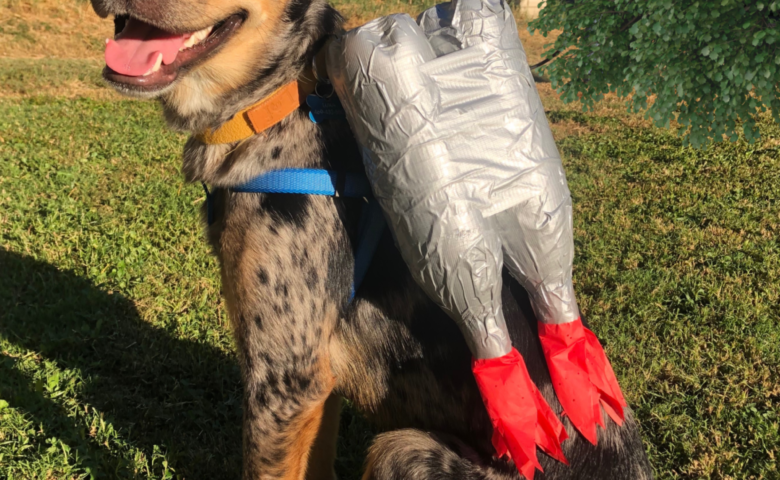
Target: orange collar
column 261, row 116
column 269, row 111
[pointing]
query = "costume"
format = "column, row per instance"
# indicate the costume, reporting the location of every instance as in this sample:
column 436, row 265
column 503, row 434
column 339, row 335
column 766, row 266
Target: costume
column 462, row 161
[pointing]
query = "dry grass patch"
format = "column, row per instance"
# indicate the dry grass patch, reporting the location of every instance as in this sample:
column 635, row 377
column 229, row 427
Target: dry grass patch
column 568, row 120
column 535, row 43
column 51, row 29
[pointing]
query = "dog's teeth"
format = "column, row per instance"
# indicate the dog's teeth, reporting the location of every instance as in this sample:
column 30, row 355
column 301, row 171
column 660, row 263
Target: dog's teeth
column 196, row 38
column 205, row 33
column 189, row 43
column 157, row 65
column 201, row 35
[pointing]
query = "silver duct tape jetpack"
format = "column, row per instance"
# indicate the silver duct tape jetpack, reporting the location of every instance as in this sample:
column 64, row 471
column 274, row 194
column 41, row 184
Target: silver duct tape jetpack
column 462, row 160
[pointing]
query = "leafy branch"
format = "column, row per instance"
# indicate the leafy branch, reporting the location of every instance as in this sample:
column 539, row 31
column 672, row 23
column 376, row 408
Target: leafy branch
column 711, row 65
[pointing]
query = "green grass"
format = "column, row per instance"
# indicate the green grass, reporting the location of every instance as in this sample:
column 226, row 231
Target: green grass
column 678, row 268
column 22, row 76
column 115, row 354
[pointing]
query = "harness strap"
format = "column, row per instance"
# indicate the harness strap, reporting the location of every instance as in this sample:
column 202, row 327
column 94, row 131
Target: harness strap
column 304, row 181
column 308, row 181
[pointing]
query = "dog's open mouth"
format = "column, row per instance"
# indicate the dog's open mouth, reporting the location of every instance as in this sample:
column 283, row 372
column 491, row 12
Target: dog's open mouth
column 144, row 57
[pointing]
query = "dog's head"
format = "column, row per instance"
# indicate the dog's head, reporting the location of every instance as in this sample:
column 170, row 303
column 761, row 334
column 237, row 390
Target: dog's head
column 196, row 53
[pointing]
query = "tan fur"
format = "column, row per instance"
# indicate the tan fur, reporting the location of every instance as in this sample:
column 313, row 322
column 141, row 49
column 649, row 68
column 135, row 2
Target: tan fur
column 323, row 451
column 304, row 433
column 226, row 71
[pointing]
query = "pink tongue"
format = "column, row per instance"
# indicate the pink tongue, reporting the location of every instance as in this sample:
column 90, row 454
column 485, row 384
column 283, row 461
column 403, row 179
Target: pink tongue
column 136, row 49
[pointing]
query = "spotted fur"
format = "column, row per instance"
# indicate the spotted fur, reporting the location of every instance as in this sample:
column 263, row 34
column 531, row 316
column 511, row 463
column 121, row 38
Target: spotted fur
column 286, row 265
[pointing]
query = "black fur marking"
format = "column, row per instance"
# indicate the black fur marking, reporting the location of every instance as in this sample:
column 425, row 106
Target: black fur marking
column 261, row 397
column 296, row 11
column 278, row 420
column 275, row 455
column 267, row 359
column 271, row 380
column 288, row 381
column 287, row 208
column 281, row 290
column 262, row 275
column 331, row 20
column 401, row 394
column 228, row 164
column 276, row 152
column 274, row 64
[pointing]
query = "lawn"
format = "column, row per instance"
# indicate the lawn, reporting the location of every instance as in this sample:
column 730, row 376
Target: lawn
column 116, row 359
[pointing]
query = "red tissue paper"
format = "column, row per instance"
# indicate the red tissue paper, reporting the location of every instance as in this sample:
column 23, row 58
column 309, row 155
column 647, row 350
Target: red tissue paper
column 582, row 376
column 521, row 417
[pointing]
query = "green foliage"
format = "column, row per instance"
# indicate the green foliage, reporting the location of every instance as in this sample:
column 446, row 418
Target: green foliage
column 711, row 64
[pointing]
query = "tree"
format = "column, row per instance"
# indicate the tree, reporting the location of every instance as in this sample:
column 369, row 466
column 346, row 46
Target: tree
column 711, row 64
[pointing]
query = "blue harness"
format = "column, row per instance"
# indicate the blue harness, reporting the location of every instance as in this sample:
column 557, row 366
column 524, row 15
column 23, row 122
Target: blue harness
column 330, row 183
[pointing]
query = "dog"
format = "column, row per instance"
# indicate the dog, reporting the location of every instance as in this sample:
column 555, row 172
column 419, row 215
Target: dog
column 287, row 270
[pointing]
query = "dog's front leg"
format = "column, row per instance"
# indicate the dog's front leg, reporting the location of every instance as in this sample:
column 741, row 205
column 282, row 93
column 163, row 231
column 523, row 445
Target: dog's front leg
column 287, row 383
column 289, row 413
column 283, row 315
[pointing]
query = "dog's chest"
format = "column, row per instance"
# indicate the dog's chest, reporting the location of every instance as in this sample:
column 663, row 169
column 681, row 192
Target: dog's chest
column 286, row 263
column 286, row 259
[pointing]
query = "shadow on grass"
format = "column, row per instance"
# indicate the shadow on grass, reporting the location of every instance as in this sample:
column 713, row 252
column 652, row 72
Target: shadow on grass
column 157, row 390
column 173, row 399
